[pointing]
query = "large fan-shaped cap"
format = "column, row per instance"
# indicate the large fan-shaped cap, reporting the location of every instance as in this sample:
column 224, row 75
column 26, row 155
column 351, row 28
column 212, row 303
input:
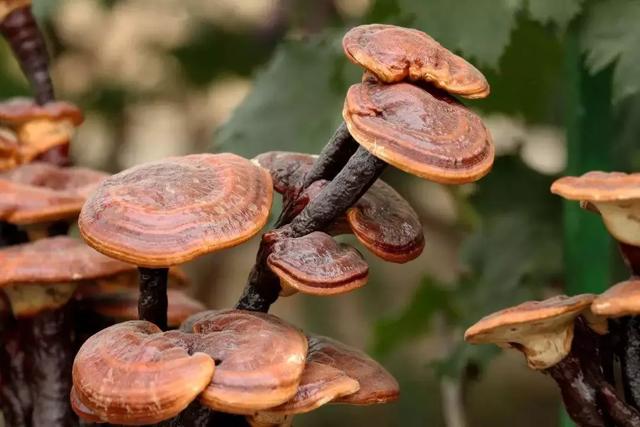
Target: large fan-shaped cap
column 17, row 111
column 133, row 374
column 40, row 192
column 287, row 168
column 316, row 264
column 615, row 195
column 259, row 360
column 542, row 330
column 171, row 211
column 395, row 53
column 425, row 133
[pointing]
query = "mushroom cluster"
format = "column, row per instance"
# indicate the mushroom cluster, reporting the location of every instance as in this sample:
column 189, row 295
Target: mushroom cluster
column 576, row 340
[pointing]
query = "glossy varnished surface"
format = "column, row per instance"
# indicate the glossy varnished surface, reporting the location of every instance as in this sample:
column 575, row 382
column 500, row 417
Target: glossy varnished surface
column 132, row 373
column 386, row 224
column 376, row 384
column 259, row 360
column 40, row 192
column 599, row 186
column 425, row 133
column 67, row 259
column 622, row 299
column 168, row 212
column 287, row 168
column 395, row 54
column 318, row 265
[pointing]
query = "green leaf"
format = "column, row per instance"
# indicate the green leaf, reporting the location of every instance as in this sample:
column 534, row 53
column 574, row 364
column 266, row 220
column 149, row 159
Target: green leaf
column 430, row 299
column 611, row 34
column 296, row 102
column 559, row 12
column 480, row 29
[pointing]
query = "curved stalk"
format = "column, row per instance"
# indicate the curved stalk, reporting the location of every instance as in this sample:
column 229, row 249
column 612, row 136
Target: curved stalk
column 630, row 359
column 153, row 302
column 15, row 393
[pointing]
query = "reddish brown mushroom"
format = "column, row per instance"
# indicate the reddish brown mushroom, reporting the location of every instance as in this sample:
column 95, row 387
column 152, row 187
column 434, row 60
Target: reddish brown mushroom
column 395, row 53
column 425, row 133
column 316, row 264
column 259, row 360
column 132, row 373
column 169, row 212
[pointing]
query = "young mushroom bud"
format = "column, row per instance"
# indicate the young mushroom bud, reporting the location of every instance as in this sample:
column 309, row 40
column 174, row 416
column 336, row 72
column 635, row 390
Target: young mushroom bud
column 169, row 212
column 20, row 29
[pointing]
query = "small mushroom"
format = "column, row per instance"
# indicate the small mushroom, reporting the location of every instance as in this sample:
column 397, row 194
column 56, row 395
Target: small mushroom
column 168, row 212
column 395, row 54
column 45, row 199
column 259, row 360
column 316, row 264
column 19, row 27
column 543, row 331
column 42, row 132
column 382, row 219
column 132, row 374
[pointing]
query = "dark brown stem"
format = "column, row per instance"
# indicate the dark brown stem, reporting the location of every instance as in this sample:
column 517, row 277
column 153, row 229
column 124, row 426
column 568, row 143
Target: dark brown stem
column 153, row 302
column 631, row 256
column 630, row 359
column 59, row 228
column 15, row 393
column 197, row 415
column 58, row 156
column 27, row 42
column 51, row 360
column 357, row 176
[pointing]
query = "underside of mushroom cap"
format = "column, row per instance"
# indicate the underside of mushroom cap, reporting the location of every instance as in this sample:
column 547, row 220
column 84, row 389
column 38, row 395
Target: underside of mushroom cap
column 259, row 360
column 395, row 54
column 133, row 374
column 424, row 133
column 542, row 330
column 622, row 299
column 316, row 264
column 168, row 212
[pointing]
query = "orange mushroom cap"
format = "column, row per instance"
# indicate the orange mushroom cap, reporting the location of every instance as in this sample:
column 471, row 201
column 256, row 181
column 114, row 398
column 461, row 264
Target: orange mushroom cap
column 622, row 299
column 132, row 374
column 425, row 133
column 40, row 192
column 259, row 360
column 316, row 264
column 395, row 53
column 168, row 212
column 17, row 111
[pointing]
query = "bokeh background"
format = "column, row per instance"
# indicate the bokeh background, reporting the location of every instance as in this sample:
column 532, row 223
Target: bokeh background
column 170, row 77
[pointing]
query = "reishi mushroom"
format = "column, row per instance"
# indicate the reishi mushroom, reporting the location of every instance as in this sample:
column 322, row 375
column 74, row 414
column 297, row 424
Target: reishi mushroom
column 168, row 212
column 19, row 28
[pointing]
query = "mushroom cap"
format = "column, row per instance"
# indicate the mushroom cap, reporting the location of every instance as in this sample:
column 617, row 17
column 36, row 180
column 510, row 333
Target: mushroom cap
column 67, row 260
column 40, row 192
column 385, row 223
column 316, row 264
column 40, row 137
column 422, row 132
column 382, row 219
column 259, row 360
column 132, row 374
column 123, row 305
column 17, row 111
column 395, row 53
column 320, row 384
column 615, row 195
column 8, row 6
column 377, row 385
column 542, row 330
column 622, row 299
column 168, row 212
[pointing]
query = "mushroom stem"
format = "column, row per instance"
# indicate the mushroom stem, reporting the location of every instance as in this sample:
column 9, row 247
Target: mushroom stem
column 630, row 359
column 357, row 176
column 153, row 301
column 15, row 393
column 51, row 361
column 631, row 255
column 27, row 42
